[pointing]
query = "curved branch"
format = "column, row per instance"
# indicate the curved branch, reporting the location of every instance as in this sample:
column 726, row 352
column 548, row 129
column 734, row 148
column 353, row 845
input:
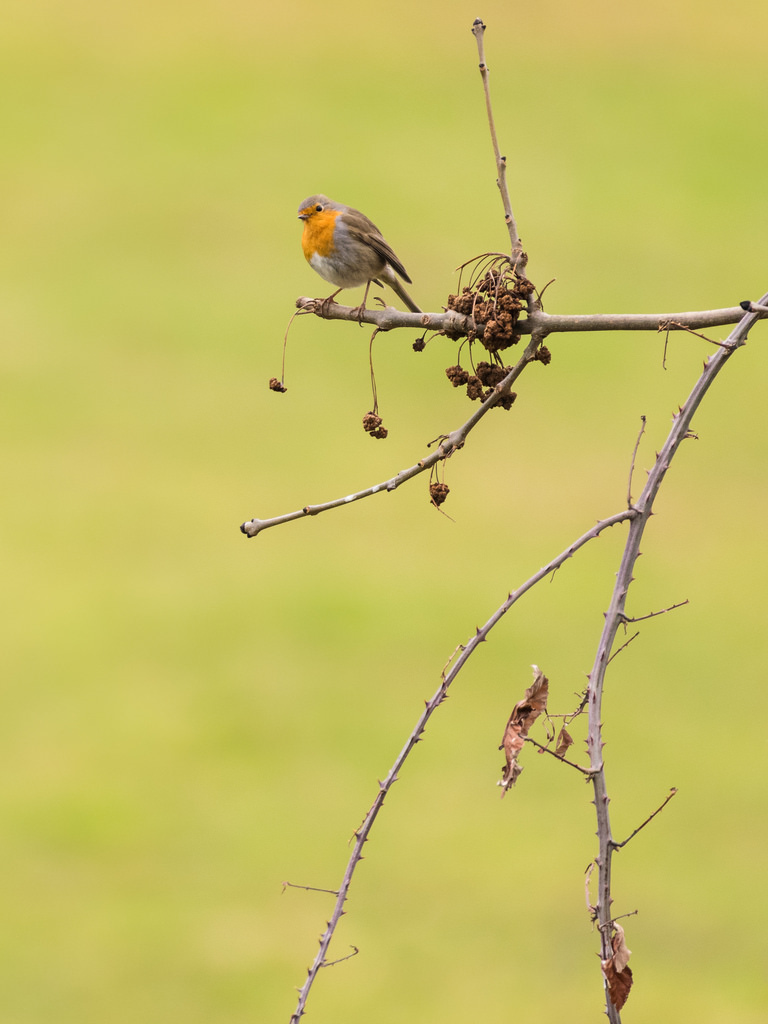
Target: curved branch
column 362, row 834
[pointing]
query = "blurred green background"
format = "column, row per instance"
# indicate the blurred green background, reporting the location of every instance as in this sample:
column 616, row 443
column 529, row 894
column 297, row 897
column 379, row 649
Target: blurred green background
column 190, row 718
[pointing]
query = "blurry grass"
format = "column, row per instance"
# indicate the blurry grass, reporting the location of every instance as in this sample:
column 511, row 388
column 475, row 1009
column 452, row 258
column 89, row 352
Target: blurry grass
column 189, row 718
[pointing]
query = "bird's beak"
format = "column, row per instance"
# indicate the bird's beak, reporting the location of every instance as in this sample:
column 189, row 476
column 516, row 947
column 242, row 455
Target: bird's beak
column 303, row 216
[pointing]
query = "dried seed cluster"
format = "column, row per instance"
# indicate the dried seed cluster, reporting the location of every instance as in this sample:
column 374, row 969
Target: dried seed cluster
column 438, row 493
column 494, row 303
column 481, row 383
column 372, row 425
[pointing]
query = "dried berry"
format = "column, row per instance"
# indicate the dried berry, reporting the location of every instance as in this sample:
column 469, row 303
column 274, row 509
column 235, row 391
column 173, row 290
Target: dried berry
column 372, row 425
column 438, row 493
column 457, row 376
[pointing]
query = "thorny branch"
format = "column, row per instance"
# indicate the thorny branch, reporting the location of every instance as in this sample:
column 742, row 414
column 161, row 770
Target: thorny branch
column 616, row 615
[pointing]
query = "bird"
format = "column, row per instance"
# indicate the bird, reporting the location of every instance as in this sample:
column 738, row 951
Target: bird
column 347, row 249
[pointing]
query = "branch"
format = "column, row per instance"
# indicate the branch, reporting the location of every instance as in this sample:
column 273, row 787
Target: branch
column 457, row 325
column 449, row 444
column 616, row 615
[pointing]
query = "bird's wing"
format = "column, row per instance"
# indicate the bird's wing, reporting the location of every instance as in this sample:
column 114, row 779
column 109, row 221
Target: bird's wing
column 364, row 230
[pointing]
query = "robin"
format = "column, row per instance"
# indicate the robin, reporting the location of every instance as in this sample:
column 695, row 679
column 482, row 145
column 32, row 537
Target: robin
column 348, row 250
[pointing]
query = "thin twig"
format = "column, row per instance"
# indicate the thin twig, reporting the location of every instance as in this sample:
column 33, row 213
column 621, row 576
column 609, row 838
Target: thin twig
column 671, row 324
column 619, row 650
column 632, row 464
column 478, row 31
column 332, row 963
column 308, row 888
column 549, row 750
column 628, row 913
column 652, row 615
column 618, row 846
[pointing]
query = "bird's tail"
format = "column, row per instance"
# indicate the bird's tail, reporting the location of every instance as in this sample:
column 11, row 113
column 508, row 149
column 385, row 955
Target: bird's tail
column 389, row 276
column 397, row 286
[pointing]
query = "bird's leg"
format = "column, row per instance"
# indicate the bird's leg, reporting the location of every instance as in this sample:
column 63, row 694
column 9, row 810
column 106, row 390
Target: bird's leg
column 359, row 310
column 323, row 304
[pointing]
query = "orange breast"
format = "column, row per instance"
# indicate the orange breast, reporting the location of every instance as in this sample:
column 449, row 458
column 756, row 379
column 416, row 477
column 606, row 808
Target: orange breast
column 317, row 238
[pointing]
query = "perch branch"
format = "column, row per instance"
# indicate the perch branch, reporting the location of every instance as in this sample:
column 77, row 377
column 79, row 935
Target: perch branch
column 457, row 324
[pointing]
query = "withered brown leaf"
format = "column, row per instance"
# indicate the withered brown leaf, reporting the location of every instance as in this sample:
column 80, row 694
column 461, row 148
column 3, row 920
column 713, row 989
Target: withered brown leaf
column 564, row 740
column 621, row 954
column 524, row 714
column 619, row 982
column 618, row 975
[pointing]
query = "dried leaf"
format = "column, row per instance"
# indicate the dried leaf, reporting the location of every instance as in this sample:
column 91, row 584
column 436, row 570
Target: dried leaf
column 535, row 696
column 524, row 714
column 618, row 975
column 564, row 740
column 621, row 954
column 619, row 982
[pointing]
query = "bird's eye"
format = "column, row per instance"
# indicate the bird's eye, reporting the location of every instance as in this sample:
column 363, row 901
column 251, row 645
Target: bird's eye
column 319, row 208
